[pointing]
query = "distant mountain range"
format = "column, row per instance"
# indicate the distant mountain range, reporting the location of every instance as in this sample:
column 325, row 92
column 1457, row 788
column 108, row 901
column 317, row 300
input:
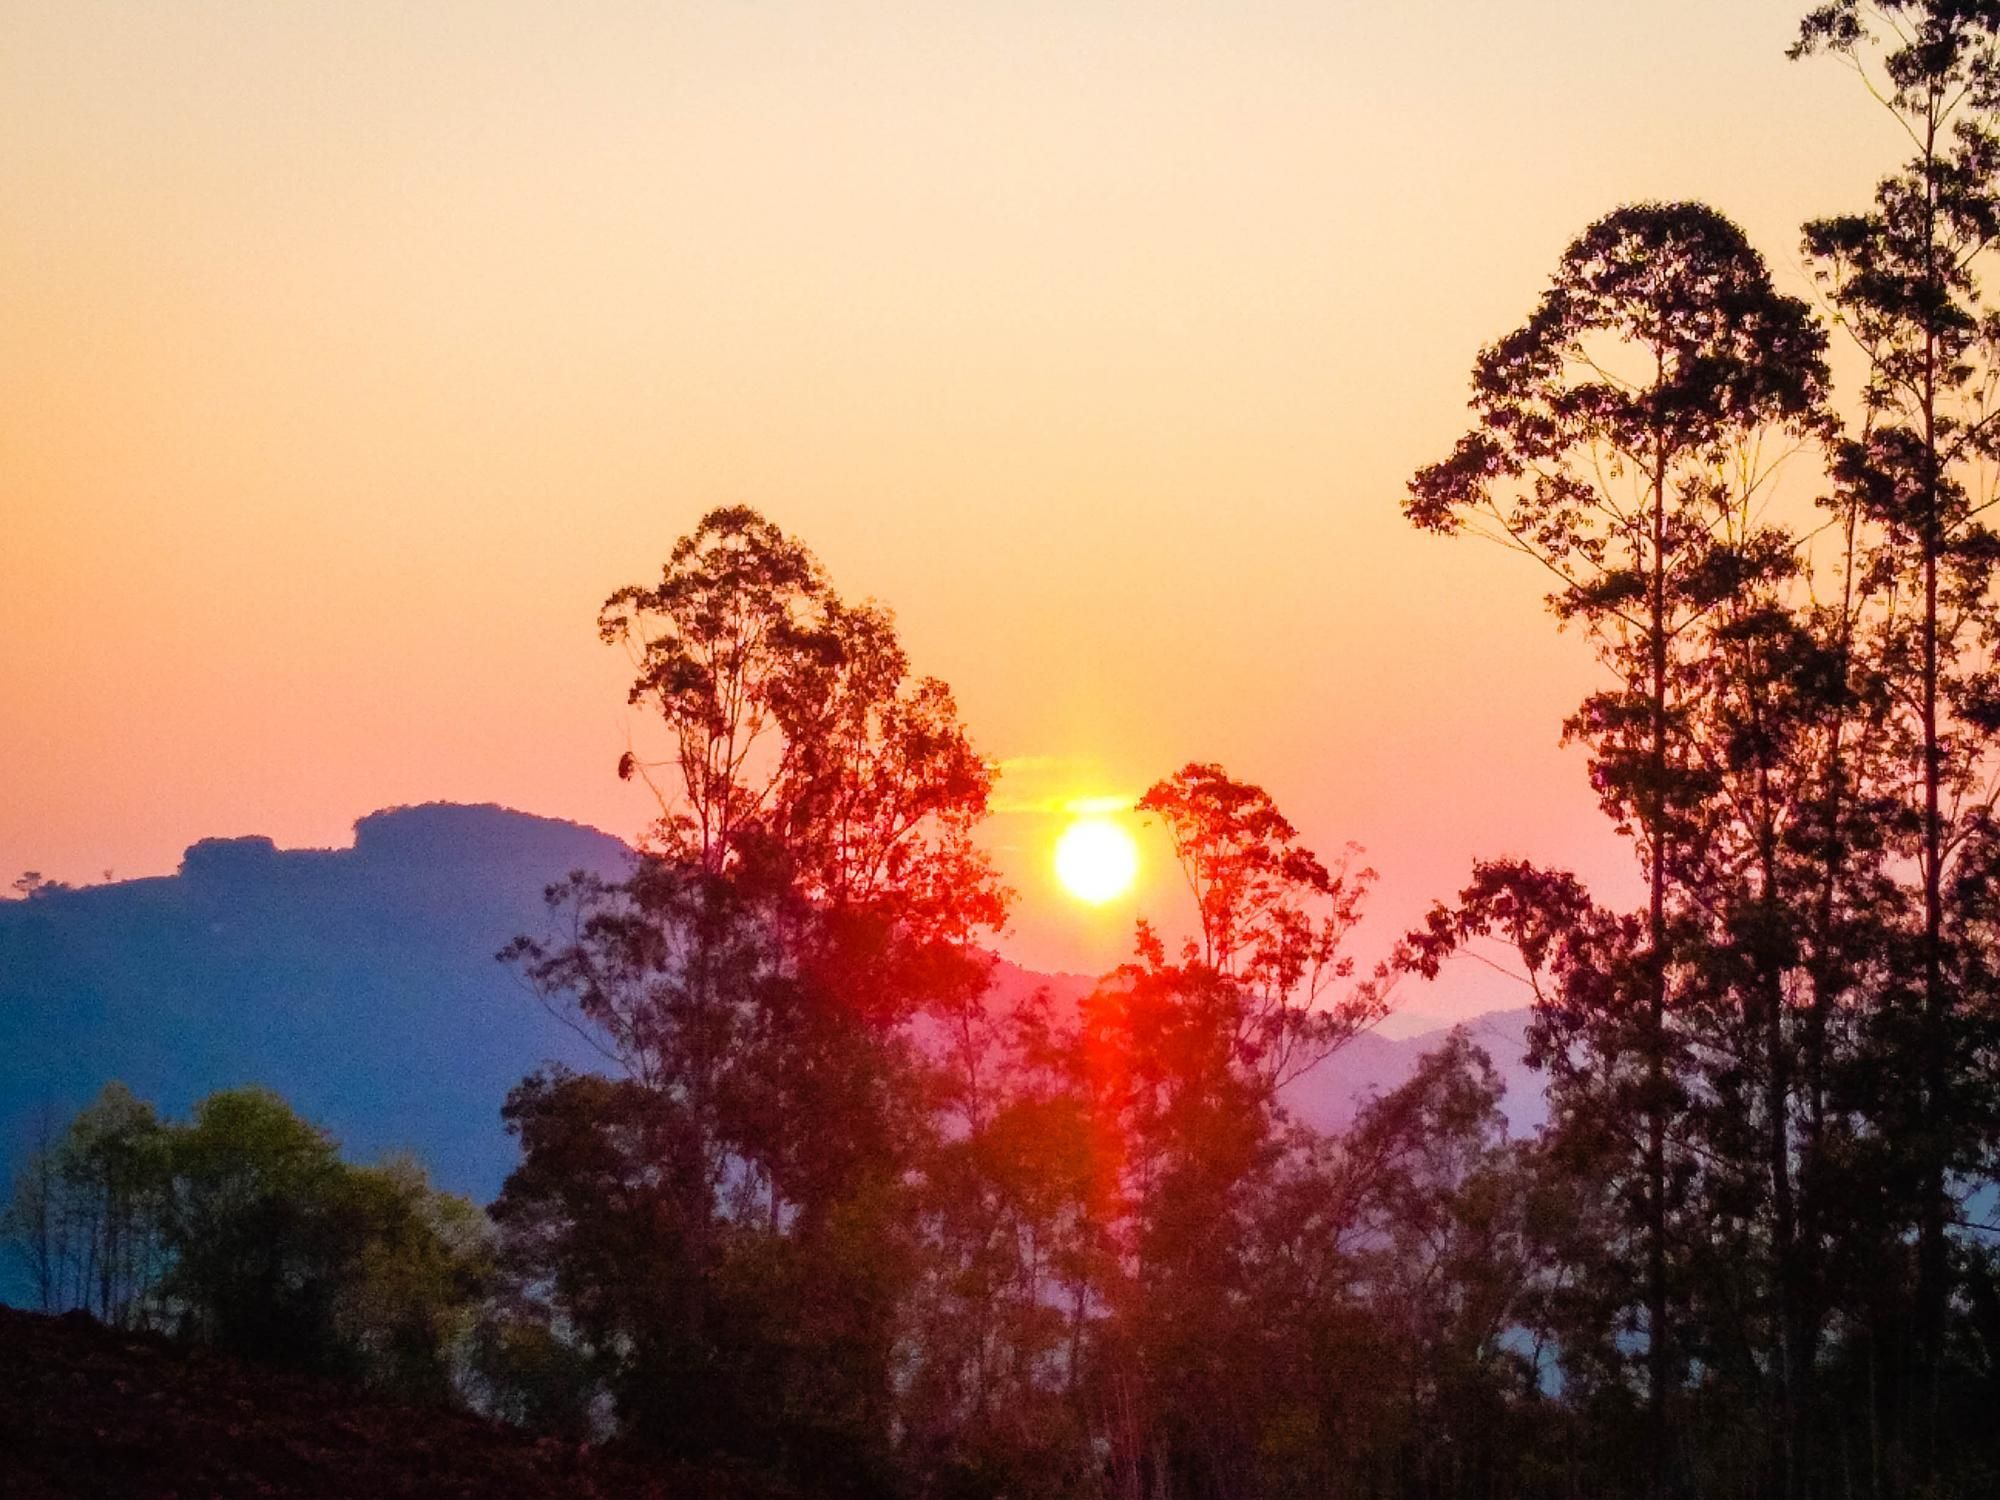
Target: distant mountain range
column 361, row 984
column 1371, row 1063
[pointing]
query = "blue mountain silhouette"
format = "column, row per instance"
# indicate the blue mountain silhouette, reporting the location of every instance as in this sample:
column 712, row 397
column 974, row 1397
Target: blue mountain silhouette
column 361, row 984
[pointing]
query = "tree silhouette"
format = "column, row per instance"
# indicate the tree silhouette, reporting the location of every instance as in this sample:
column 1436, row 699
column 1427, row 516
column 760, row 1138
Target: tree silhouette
column 810, row 889
column 1615, row 428
column 1179, row 1065
column 1903, row 279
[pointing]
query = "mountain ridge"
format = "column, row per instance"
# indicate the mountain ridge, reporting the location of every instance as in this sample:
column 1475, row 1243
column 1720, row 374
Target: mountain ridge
column 361, row 983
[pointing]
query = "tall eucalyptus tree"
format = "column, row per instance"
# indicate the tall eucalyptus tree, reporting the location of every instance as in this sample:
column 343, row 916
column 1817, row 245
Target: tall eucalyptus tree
column 1612, row 430
column 1904, row 279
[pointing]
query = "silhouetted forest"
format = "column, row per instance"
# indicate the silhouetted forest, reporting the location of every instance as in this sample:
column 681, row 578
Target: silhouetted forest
column 824, row 1213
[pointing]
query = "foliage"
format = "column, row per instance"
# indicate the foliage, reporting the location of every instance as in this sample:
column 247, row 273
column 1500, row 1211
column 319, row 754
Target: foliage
column 86, row 1214
column 243, row 1230
column 810, row 890
column 833, row 1216
column 1777, row 1081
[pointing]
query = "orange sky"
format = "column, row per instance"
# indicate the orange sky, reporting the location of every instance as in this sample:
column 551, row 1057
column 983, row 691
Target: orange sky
column 350, row 354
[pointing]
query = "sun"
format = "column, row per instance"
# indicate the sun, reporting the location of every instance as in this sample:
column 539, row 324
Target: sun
column 1096, row 860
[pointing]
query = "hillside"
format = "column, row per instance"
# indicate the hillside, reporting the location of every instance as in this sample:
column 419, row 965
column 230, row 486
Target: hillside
column 86, row 1412
column 1327, row 1096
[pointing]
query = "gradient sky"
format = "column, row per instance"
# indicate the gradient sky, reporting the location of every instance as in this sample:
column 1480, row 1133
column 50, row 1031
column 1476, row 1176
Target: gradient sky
column 351, row 353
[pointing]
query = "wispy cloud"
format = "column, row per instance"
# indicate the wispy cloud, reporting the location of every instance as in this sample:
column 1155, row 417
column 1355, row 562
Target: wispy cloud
column 1046, row 786
column 1013, row 765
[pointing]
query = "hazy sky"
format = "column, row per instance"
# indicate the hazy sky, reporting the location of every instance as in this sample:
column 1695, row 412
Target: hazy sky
column 351, row 353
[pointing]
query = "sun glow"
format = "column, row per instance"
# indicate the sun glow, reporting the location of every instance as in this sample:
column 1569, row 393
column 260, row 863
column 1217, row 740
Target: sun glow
column 1096, row 860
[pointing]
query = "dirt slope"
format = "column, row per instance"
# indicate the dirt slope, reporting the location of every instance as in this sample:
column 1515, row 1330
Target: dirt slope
column 89, row 1412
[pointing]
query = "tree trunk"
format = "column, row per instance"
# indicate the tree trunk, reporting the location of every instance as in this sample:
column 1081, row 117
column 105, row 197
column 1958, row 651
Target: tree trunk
column 1659, row 1351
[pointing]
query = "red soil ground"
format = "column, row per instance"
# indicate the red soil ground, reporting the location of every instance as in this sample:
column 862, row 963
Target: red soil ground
column 86, row 1411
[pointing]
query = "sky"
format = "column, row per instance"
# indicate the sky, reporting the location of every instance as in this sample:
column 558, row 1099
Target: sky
column 351, row 353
